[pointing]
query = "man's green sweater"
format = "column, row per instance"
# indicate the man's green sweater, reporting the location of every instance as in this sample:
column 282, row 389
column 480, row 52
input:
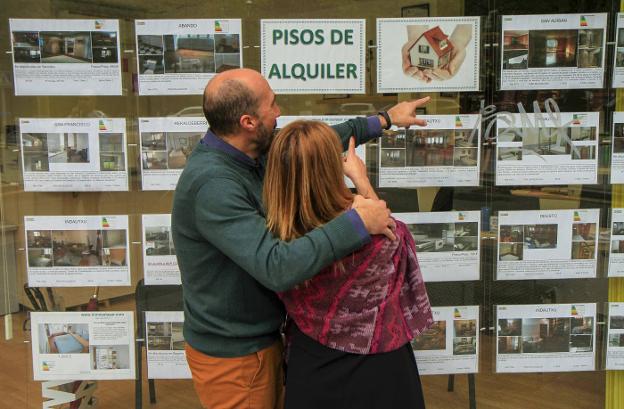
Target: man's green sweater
column 231, row 265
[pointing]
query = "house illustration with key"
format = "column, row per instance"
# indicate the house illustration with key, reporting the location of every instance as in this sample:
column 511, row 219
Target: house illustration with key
column 431, row 50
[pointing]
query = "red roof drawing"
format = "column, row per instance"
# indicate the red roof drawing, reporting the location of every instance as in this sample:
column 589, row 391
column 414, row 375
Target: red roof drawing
column 435, row 36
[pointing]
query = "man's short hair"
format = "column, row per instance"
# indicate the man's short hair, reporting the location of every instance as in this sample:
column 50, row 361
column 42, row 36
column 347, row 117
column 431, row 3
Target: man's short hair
column 224, row 107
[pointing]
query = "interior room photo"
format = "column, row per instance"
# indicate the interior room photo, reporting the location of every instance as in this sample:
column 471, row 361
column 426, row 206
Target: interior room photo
column 65, row 47
column 35, row 152
column 68, row 148
column 77, row 248
column 545, row 335
column 189, row 53
column 63, row 338
column 540, row 236
column 26, row 46
column 158, row 241
column 112, row 156
column 433, row 237
column 110, row 357
column 432, row 339
column 553, row 48
column 510, row 251
column 392, row 158
column 179, row 147
column 104, row 46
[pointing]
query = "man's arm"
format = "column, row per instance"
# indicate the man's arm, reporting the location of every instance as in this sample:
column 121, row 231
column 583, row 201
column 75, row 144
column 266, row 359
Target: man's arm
column 230, row 222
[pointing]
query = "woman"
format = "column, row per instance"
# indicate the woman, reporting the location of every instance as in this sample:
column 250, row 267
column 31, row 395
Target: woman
column 349, row 345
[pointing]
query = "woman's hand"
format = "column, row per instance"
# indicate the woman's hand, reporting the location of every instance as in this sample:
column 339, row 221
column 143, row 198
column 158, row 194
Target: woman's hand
column 355, row 169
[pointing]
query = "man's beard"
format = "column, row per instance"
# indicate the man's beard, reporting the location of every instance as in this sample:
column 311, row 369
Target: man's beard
column 264, row 138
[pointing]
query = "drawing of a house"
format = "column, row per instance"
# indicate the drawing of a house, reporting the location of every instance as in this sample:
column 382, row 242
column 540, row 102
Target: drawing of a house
column 431, row 50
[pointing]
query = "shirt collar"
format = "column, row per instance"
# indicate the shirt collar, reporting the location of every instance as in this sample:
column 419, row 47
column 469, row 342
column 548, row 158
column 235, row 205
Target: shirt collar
column 213, row 141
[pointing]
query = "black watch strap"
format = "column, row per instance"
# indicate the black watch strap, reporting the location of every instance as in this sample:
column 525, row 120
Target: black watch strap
column 387, row 118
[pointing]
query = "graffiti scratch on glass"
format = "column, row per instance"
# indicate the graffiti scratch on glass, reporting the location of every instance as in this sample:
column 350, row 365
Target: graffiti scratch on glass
column 490, row 115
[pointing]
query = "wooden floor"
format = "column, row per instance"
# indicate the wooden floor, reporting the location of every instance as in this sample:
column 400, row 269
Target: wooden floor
column 576, row 390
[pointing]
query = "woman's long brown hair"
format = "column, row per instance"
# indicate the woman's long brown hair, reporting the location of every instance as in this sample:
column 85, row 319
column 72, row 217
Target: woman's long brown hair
column 304, row 186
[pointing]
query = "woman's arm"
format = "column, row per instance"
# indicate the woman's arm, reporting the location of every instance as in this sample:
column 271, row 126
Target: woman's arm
column 355, row 169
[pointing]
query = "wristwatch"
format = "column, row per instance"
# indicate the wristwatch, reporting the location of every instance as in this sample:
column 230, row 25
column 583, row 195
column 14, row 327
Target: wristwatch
column 387, row 118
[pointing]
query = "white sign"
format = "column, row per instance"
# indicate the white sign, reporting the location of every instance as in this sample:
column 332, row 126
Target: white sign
column 74, row 154
column 330, row 120
column 160, row 265
column 618, row 64
column 77, row 251
column 615, row 337
column 314, row 56
column 554, row 51
column 166, row 358
column 545, row 338
column 66, row 57
column 616, row 253
column 178, row 57
column 617, row 148
column 446, row 239
column 451, row 344
column 445, row 152
column 82, row 345
column 547, row 244
column 166, row 143
column 428, row 54
column 543, row 149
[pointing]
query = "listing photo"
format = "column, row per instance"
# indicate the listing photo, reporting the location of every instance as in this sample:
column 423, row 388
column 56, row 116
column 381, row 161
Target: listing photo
column 392, row 158
column 545, row 335
column 510, row 251
column 432, row 339
column 583, row 152
column 104, row 46
column 616, row 340
column 153, row 141
column 618, row 145
column 464, row 328
column 512, row 134
column 590, row 48
column 553, row 48
column 513, row 153
column 35, row 152
column 68, row 148
column 65, row 47
column 509, row 327
column 466, row 139
column 546, row 141
column 227, row 43
column 584, row 232
column 179, row 147
column 112, row 157
column 165, row 336
column 433, row 237
column 540, row 236
column 616, row 322
column 465, row 346
column 583, row 250
column 511, row 234
column 189, row 53
column 509, row 345
column 158, row 241
column 515, row 49
column 465, row 156
column 581, row 343
column 225, row 62
column 26, row 47
column 617, row 246
column 582, row 133
column 151, row 64
column 393, row 139
column 64, row 338
column 430, row 147
column 109, row 357
column 154, row 160
column 40, row 257
column 582, row 326
column 87, row 248
column 150, row 45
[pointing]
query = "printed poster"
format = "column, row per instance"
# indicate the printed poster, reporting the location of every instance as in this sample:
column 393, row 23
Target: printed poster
column 166, row 358
column 545, row 338
column 615, row 337
column 65, row 57
column 179, row 57
column 439, row 54
column 443, row 239
column 77, row 251
column 74, row 154
column 445, row 152
column 330, row 120
column 554, row 51
column 545, row 149
column 547, row 244
column 83, row 345
column 306, row 56
column 451, row 344
column 618, row 65
column 616, row 253
column 160, row 265
column 617, row 151
column 166, row 143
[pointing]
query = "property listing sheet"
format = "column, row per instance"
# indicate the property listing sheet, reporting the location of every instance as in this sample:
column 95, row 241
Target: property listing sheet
column 314, row 56
column 617, row 148
column 616, row 253
column 553, row 51
column 545, row 338
column 166, row 143
column 547, row 244
column 451, row 345
column 547, row 149
column 74, row 154
column 166, row 358
column 618, row 64
column 83, row 345
column 443, row 239
column 430, row 54
column 445, row 152
column 77, row 251
column 615, row 337
column 178, row 57
column 160, row 265
column 65, row 57
column 330, row 120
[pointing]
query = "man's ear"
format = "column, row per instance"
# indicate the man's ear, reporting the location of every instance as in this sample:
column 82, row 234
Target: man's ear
column 248, row 123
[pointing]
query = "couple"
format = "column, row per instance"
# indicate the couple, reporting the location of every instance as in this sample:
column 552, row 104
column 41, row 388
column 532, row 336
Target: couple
column 237, row 247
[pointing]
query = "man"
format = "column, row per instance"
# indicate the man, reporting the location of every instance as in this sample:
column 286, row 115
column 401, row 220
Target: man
column 230, row 264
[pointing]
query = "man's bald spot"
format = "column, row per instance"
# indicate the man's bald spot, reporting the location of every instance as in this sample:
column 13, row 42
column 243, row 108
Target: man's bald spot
column 246, row 77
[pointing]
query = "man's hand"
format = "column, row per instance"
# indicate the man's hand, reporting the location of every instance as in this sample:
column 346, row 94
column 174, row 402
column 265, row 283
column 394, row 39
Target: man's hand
column 403, row 114
column 375, row 215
